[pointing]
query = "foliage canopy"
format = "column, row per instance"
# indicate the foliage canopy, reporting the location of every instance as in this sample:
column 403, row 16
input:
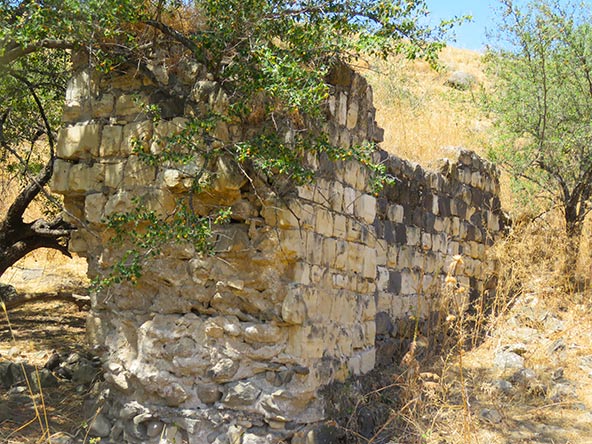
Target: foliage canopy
column 275, row 51
column 543, row 102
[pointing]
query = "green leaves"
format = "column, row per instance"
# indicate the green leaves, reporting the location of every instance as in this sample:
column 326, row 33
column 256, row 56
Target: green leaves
column 543, row 101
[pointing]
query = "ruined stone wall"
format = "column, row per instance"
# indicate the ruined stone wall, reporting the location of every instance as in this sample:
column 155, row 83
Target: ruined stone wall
column 235, row 347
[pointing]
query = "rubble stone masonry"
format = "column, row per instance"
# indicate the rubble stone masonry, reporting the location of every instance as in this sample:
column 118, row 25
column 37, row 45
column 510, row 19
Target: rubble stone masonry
column 234, row 348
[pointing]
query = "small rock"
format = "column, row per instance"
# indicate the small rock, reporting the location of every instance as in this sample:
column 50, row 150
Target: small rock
column 557, row 346
column 62, row 439
column 224, row 370
column 461, row 80
column 502, row 385
column 100, row 426
column 562, row 391
column 53, row 362
column 557, row 374
column 154, row 428
column 505, row 360
column 491, row 415
column 84, row 372
column 552, row 324
column 241, row 393
column 366, row 423
column 46, row 378
column 209, row 394
column 7, row 292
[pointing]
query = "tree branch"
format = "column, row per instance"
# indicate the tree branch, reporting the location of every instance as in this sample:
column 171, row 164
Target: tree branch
column 20, row 51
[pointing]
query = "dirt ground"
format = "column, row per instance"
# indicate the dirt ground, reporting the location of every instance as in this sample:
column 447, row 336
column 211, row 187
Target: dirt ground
column 29, row 334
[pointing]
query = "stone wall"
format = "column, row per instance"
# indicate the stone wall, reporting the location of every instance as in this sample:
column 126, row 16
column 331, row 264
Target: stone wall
column 234, row 348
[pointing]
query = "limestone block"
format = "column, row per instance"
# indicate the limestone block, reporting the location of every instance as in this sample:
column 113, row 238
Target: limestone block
column 435, row 205
column 413, row 235
column 392, row 256
column 322, row 191
column 314, row 251
column 324, row 222
column 341, row 281
column 353, row 230
column 453, row 248
column 111, row 137
column 78, row 243
column 439, row 224
column 302, row 273
column 305, row 192
column 343, row 308
column 355, row 257
column 120, row 202
column 317, row 274
column 292, row 243
column 369, row 268
column 84, row 178
column 93, row 207
column 136, row 136
column 381, row 250
column 306, row 342
column 113, row 174
column 350, row 171
column 263, row 333
column 138, row 173
column 365, row 208
column 455, row 226
column 336, row 196
column 492, row 222
column 349, row 197
column 175, row 181
column 73, row 208
column 78, row 141
column 228, row 176
column 323, row 307
column 477, row 180
column 368, row 309
column 102, row 106
column 344, row 342
column 369, row 328
column 332, row 104
column 329, row 252
column 362, row 362
column 341, row 254
column 352, row 115
column 418, row 260
column 426, row 241
column 339, row 226
column 409, row 282
column 382, row 278
column 59, row 182
column 405, row 257
column 294, row 307
column 128, row 104
column 304, row 214
column 163, row 131
column 342, row 109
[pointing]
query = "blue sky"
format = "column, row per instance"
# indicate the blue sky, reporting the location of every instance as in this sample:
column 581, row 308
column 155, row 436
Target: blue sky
column 470, row 35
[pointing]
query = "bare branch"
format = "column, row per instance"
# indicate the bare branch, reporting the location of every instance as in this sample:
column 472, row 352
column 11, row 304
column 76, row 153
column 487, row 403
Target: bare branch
column 19, row 51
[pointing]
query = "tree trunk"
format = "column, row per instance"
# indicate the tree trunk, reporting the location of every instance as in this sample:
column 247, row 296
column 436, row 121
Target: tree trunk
column 18, row 238
column 573, row 229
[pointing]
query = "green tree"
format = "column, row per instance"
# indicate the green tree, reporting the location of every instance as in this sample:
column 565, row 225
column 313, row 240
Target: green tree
column 543, row 105
column 271, row 52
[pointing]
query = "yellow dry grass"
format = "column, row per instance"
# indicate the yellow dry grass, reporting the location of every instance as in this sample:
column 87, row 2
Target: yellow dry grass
column 422, row 116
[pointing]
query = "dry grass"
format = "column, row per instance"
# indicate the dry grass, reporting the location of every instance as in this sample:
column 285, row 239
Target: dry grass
column 420, row 114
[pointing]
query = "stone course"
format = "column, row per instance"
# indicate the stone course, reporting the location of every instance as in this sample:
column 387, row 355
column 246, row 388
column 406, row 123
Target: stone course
column 234, row 348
